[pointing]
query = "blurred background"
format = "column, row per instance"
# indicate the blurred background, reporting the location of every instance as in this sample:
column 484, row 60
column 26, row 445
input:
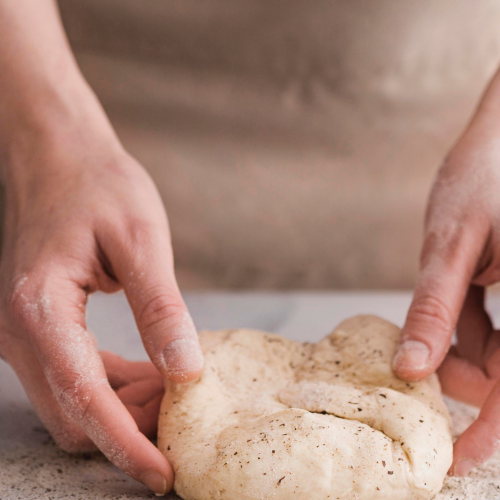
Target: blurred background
column 294, row 142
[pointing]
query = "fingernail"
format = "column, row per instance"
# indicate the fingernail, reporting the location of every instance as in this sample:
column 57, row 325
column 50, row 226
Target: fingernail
column 155, row 482
column 412, row 355
column 183, row 356
column 463, row 467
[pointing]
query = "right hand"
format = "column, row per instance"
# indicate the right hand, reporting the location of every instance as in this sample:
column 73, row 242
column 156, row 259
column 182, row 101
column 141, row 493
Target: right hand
column 460, row 257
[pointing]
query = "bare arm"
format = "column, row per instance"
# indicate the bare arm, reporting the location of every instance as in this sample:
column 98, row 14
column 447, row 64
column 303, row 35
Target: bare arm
column 40, row 83
column 81, row 215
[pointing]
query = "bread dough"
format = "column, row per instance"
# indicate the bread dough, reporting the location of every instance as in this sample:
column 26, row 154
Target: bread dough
column 271, row 418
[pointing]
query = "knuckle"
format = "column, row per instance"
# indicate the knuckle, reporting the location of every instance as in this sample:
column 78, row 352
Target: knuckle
column 143, row 229
column 142, row 233
column 21, row 300
column 456, row 242
column 72, row 440
column 431, row 310
column 28, row 303
column 163, row 307
column 73, row 394
column 444, row 244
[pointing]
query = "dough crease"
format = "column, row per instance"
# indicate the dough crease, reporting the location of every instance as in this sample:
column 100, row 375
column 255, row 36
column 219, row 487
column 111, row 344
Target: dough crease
column 275, row 419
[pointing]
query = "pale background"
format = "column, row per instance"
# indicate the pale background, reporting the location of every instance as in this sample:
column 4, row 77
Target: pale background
column 293, row 141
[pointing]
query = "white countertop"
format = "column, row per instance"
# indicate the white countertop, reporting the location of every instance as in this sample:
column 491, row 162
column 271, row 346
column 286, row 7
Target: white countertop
column 31, row 467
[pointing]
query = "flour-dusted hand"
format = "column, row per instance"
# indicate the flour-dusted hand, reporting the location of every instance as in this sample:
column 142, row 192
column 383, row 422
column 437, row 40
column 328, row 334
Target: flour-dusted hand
column 461, row 256
column 81, row 215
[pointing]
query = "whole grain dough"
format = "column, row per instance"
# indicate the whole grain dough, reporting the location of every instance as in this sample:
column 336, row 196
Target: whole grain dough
column 275, row 419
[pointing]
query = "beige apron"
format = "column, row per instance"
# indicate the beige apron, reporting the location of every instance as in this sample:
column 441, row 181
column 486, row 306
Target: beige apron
column 293, row 141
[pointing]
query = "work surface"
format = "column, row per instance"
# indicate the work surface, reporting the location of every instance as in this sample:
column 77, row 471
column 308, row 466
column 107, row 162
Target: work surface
column 31, row 467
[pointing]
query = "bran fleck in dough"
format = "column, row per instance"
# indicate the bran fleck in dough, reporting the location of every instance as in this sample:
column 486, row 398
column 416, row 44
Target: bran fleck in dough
column 275, row 419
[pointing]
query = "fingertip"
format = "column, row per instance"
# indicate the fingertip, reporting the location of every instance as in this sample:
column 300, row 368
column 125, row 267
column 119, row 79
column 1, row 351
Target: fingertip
column 185, row 377
column 183, row 359
column 156, row 482
column 151, row 468
column 462, row 467
column 412, row 361
column 425, row 338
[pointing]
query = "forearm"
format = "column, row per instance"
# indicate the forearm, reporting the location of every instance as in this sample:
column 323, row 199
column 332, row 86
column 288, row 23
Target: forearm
column 482, row 132
column 490, row 101
column 41, row 87
column 484, row 126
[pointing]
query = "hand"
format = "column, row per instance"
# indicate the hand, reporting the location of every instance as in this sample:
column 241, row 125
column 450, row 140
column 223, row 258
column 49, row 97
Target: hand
column 82, row 215
column 461, row 256
column 139, row 385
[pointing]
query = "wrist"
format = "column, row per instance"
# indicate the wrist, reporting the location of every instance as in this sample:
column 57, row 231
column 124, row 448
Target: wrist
column 484, row 126
column 51, row 122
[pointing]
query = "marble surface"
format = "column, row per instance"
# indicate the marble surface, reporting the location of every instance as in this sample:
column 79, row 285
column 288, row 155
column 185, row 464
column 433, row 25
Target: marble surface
column 31, row 467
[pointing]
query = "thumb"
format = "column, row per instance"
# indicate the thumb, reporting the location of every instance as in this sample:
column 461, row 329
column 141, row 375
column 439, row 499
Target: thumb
column 447, row 267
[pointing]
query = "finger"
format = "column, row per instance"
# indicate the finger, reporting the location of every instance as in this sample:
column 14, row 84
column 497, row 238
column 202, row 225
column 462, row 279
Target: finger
column 448, row 265
column 478, row 443
column 121, row 372
column 51, row 313
column 142, row 261
column 141, row 392
column 146, row 416
column 492, row 356
column 464, row 381
column 67, row 435
column 474, row 327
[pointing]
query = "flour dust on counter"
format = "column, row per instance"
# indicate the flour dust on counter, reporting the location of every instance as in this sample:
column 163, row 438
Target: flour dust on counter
column 37, row 469
column 483, row 483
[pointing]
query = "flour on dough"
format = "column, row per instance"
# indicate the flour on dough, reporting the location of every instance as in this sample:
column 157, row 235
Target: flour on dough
column 275, row 419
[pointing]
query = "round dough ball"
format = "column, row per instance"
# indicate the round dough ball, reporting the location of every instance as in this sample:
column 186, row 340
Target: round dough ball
column 275, row 419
